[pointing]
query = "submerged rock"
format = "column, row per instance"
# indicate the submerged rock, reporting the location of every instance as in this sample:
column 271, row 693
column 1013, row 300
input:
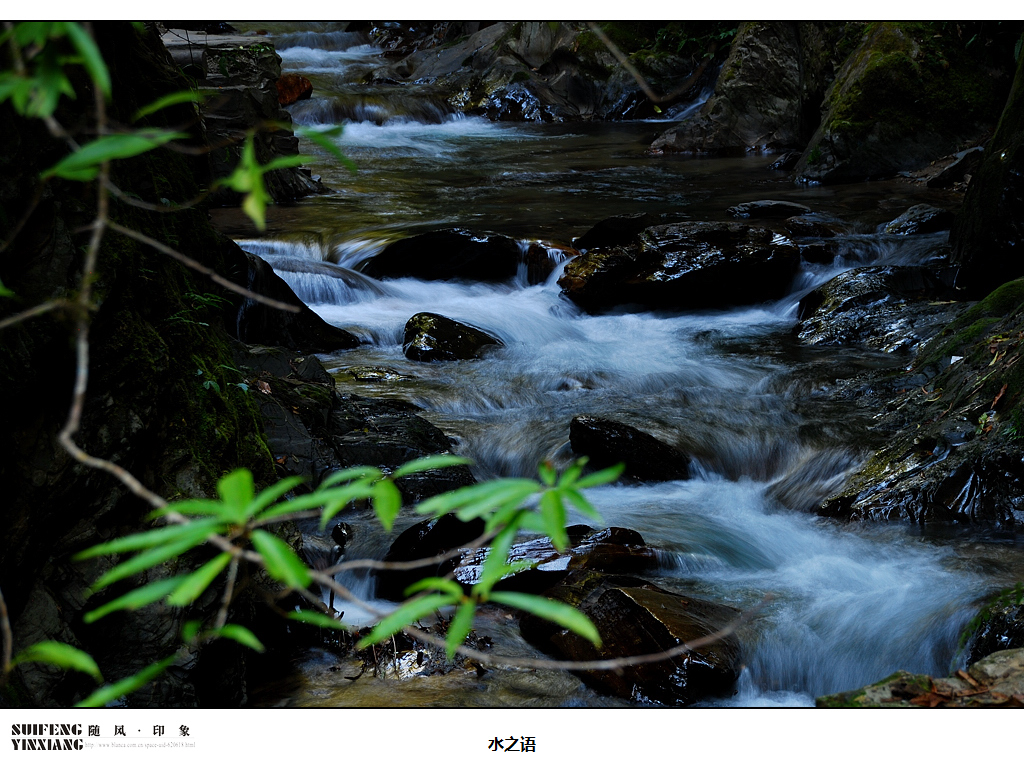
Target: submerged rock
column 607, row 442
column 687, row 265
column 997, row 680
column 635, row 617
column 432, row 337
column 768, row 209
column 614, row 550
column 920, row 219
column 446, row 255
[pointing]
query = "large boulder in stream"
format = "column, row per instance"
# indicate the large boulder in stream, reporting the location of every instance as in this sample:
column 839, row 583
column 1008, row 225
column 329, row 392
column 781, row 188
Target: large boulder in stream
column 997, row 680
column 445, row 255
column 635, row 617
column 607, row 442
column 432, row 337
column 683, row 266
column 921, row 219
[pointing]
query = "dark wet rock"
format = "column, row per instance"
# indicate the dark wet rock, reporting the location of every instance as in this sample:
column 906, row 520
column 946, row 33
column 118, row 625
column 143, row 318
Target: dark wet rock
column 446, row 255
column 341, row 534
column 607, row 442
column 889, row 308
column 688, row 265
column 768, row 92
column 293, row 88
column 820, row 252
column 768, row 209
column 952, row 451
column 989, row 230
column 536, row 71
column 423, row 541
column 237, row 76
column 891, row 109
column 539, row 263
column 813, row 226
column 612, row 550
column 785, row 162
column 620, row 230
column 962, row 165
column 432, row 337
column 303, row 331
column 372, row 374
column 635, row 617
column 999, row 626
column 996, row 680
column 280, row 362
column 920, row 219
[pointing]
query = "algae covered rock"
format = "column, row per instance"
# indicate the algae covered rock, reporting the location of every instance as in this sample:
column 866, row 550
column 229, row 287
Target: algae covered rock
column 905, row 96
column 432, row 337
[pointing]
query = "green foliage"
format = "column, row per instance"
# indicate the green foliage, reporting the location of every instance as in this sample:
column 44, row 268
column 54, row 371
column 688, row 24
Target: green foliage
column 59, row 654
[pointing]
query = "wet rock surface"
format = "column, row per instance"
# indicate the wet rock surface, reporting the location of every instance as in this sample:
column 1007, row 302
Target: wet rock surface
column 432, row 337
column 1000, row 626
column 921, row 219
column 636, row 617
column 607, row 442
column 951, row 427
column 613, row 550
column 446, row 255
column 768, row 209
column 997, row 680
column 688, row 265
column 888, row 308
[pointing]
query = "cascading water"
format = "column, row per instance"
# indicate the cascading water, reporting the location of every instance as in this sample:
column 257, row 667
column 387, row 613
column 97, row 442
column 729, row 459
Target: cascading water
column 850, row 604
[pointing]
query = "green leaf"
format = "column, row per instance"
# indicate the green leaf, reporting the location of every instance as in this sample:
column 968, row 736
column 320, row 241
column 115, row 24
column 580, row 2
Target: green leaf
column 501, row 498
column 552, row 509
column 497, row 558
column 477, row 494
column 190, row 629
column 387, row 502
column 91, row 57
column 151, row 557
column 405, row 615
column 444, row 585
column 112, row 692
column 83, row 165
column 580, row 503
column 236, row 490
column 140, row 597
column 305, row 502
column 570, row 474
column 240, row 634
column 59, row 654
column 556, row 612
column 361, row 490
column 316, row 619
column 323, row 140
column 4, row 291
column 150, row 538
column 191, row 508
column 430, row 463
column 271, row 493
column 349, row 474
column 458, row 630
column 197, row 582
column 547, row 473
column 280, row 560
column 606, row 476
column 287, row 161
column 178, row 97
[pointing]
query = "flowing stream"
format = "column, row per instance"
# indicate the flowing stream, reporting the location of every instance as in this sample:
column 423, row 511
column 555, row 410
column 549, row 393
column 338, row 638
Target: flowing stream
column 851, row 604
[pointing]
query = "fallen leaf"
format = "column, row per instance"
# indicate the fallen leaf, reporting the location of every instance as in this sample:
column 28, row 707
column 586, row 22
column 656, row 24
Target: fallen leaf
column 263, row 386
column 998, row 396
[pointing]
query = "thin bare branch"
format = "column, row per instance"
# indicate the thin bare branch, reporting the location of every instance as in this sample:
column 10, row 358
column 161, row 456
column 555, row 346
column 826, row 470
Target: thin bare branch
column 138, row 203
column 37, row 195
column 201, row 268
column 8, row 639
column 24, row 315
column 229, row 588
column 414, row 564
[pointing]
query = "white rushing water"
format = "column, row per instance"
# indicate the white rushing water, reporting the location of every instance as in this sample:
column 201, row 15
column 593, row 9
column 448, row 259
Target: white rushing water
column 849, row 604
